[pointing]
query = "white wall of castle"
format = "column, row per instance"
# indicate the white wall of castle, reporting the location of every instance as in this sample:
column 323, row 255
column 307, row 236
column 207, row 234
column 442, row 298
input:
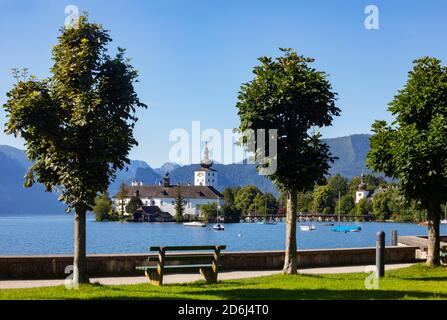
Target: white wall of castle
column 191, row 205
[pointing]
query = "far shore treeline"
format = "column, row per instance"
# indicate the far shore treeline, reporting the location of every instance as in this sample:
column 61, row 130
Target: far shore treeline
column 336, row 195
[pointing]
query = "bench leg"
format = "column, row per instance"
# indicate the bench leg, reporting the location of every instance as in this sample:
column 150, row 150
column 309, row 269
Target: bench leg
column 153, row 277
column 209, row 275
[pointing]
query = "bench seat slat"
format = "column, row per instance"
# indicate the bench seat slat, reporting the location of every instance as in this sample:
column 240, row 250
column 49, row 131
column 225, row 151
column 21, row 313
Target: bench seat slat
column 183, row 248
column 183, row 257
column 177, row 267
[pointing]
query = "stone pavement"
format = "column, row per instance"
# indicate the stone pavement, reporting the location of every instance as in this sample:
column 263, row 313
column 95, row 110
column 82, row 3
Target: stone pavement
column 186, row 278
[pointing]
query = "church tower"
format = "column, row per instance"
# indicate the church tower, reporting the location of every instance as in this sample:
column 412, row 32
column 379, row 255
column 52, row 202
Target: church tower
column 205, row 176
column 361, row 192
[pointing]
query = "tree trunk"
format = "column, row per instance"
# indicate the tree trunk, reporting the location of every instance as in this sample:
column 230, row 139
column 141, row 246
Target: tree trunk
column 290, row 261
column 434, row 217
column 80, row 260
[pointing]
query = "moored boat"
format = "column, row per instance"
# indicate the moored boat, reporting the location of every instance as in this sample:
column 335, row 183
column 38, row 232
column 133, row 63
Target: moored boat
column 347, row 229
column 219, row 227
column 194, row 224
column 307, row 227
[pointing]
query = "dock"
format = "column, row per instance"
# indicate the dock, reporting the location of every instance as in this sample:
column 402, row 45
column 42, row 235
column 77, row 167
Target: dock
column 422, row 243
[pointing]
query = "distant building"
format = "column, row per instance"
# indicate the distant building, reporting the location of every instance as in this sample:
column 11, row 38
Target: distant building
column 164, row 194
column 151, row 214
column 205, row 176
column 363, row 193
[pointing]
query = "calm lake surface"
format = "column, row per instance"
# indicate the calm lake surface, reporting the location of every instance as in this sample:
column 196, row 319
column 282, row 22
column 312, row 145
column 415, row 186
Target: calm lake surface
column 53, row 234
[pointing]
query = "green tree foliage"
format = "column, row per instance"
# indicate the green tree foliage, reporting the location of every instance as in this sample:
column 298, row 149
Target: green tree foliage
column 346, row 204
column 265, row 204
column 305, row 201
column 245, row 200
column 78, row 123
column 133, row 204
column 322, row 199
column 103, row 207
column 229, row 196
column 414, row 149
column 363, row 207
column 179, row 206
column 381, row 205
column 230, row 213
column 290, row 96
column 209, row 210
column 338, row 185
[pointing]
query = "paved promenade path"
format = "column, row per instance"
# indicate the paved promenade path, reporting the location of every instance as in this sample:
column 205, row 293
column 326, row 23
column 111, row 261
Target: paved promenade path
column 186, row 278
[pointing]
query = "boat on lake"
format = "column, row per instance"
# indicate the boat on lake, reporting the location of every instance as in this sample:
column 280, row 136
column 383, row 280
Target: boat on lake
column 218, row 227
column 194, row 224
column 347, row 229
column 307, row 227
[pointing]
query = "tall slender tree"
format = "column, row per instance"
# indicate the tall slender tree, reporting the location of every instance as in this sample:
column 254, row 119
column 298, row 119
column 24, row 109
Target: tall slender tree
column 77, row 124
column 288, row 95
column 123, row 193
column 414, row 148
column 179, row 206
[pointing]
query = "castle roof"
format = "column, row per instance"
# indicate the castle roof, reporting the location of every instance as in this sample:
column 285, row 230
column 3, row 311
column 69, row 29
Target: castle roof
column 192, row 192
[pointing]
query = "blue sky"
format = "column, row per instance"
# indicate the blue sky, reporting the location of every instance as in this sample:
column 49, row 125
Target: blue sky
column 193, row 55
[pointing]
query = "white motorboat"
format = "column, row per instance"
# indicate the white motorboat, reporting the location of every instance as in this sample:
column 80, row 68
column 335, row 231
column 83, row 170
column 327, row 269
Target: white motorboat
column 219, row 227
column 444, row 221
column 194, row 224
column 307, row 227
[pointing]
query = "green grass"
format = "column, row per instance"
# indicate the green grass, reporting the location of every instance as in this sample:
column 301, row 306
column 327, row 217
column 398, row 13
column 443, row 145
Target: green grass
column 416, row 282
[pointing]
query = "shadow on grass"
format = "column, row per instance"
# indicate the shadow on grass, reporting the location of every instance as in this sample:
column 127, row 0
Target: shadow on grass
column 284, row 294
column 426, row 278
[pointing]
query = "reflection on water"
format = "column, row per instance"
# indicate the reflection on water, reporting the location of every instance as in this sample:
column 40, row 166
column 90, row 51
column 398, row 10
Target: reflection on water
column 54, row 235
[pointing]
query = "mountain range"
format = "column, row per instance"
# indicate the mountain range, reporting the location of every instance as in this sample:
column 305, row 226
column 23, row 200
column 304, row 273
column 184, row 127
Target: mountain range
column 14, row 198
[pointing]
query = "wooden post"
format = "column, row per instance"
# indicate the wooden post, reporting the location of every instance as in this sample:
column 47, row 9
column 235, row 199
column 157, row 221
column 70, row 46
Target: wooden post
column 216, row 261
column 161, row 265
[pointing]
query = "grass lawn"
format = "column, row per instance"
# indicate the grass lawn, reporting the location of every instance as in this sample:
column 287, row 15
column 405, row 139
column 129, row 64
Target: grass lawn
column 416, row 282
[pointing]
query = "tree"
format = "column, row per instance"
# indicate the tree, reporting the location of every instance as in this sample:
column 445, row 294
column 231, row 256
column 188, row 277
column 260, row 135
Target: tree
column 305, row 201
column 122, row 195
column 229, row 196
column 381, row 205
column 362, row 207
column 230, row 213
column 265, row 204
column 245, row 200
column 345, row 204
column 322, row 199
column 102, row 207
column 414, row 149
column 289, row 96
column 208, row 210
column 77, row 124
column 338, row 185
column 133, row 204
column 179, row 206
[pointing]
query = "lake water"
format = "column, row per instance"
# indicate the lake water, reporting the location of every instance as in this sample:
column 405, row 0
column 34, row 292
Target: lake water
column 53, row 234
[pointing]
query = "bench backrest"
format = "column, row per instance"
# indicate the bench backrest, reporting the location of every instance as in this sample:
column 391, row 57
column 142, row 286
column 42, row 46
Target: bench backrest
column 187, row 248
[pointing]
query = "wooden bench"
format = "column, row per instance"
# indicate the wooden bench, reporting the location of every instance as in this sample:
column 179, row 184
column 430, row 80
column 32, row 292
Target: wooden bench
column 208, row 270
column 443, row 255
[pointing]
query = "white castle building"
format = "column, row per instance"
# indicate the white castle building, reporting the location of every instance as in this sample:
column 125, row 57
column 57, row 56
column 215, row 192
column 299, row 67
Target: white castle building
column 164, row 195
